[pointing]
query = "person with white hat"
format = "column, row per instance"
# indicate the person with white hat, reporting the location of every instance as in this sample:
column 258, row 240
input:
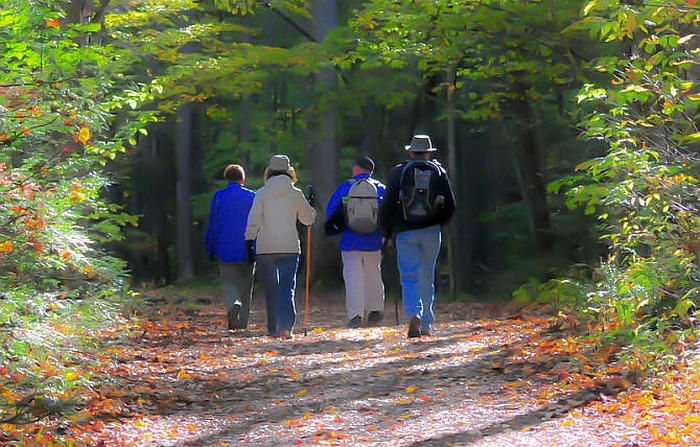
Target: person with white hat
column 417, row 201
column 273, row 239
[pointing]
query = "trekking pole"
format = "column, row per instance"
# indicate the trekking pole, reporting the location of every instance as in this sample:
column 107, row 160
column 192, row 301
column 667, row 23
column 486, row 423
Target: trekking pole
column 396, row 309
column 308, row 279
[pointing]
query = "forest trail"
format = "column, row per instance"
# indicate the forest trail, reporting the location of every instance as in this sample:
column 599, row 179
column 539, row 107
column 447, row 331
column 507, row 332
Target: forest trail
column 490, row 376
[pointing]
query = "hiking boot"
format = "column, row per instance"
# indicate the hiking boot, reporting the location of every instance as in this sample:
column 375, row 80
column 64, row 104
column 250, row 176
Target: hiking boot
column 375, row 317
column 286, row 334
column 414, row 327
column 426, row 332
column 355, row 322
column 232, row 317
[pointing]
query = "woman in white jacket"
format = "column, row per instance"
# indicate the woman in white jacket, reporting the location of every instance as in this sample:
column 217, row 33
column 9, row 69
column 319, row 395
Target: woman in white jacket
column 272, row 224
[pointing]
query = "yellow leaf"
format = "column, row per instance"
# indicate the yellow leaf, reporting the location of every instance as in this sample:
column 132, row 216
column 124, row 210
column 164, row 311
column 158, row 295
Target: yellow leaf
column 71, row 376
column 140, row 423
column 6, row 247
column 84, row 135
column 300, row 393
column 589, row 6
column 182, row 374
column 411, row 389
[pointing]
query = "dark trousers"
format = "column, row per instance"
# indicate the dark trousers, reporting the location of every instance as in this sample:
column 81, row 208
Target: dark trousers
column 237, row 281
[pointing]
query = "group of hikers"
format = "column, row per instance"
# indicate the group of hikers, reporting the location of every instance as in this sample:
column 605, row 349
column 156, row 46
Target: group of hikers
column 251, row 231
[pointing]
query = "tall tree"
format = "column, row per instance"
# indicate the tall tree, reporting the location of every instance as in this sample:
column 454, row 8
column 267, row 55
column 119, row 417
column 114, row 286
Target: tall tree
column 324, row 150
column 183, row 196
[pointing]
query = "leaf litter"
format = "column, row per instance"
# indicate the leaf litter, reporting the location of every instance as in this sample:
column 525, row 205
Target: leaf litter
column 491, row 375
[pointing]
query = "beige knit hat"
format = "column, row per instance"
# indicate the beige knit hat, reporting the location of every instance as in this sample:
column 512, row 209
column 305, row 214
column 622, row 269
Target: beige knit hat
column 279, row 163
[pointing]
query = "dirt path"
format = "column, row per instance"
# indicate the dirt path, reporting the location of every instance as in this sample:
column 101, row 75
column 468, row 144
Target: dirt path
column 485, row 378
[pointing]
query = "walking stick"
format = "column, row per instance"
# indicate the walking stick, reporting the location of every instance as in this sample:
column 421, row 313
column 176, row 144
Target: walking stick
column 308, row 278
column 396, row 309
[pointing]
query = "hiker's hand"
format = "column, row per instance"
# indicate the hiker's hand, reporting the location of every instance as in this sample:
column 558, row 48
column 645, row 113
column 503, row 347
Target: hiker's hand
column 311, row 196
column 386, row 242
column 250, row 251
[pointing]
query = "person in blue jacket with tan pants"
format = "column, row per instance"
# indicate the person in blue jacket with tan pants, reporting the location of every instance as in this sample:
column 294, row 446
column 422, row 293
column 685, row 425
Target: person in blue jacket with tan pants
column 225, row 241
column 361, row 253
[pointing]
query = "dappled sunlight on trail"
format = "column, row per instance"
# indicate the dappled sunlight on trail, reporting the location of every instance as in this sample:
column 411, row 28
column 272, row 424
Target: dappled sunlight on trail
column 486, row 378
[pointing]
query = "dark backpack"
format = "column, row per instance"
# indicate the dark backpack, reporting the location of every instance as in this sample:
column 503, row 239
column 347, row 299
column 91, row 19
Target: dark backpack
column 418, row 191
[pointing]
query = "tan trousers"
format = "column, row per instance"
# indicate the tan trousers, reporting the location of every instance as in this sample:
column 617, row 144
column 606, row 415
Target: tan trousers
column 364, row 289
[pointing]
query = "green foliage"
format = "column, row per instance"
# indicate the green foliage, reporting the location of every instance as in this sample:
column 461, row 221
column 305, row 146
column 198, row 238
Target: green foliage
column 563, row 294
column 644, row 189
column 60, row 125
column 488, row 45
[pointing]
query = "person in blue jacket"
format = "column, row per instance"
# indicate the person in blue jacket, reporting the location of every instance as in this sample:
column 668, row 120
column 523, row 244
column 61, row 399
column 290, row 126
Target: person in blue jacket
column 225, row 241
column 361, row 253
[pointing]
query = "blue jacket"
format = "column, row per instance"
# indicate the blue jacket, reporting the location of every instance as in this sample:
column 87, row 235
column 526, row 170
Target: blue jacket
column 228, row 218
column 351, row 241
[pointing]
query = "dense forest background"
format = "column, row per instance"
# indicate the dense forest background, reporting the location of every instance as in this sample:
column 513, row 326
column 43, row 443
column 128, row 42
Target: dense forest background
column 569, row 128
column 341, row 79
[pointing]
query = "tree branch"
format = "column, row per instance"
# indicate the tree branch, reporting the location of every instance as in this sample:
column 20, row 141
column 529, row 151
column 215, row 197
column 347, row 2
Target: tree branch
column 291, row 22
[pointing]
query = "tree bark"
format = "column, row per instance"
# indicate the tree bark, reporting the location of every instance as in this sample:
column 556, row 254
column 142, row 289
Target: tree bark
column 453, row 234
column 532, row 175
column 322, row 147
column 183, row 192
column 324, row 162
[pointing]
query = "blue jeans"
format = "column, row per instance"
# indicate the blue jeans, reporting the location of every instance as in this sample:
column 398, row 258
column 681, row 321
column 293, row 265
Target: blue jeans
column 417, row 255
column 279, row 278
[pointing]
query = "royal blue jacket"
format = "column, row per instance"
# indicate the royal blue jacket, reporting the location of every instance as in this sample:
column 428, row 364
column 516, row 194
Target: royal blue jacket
column 351, row 241
column 228, row 218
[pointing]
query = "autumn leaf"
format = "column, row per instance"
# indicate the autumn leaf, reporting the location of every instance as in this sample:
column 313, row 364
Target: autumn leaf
column 182, row 374
column 301, row 393
column 411, row 389
column 52, row 23
column 6, row 247
column 84, row 135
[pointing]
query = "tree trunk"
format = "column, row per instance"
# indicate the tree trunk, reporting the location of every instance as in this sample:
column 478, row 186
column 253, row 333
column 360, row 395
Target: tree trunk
column 532, row 175
column 159, row 219
column 324, row 163
column 322, row 150
column 453, row 233
column 183, row 192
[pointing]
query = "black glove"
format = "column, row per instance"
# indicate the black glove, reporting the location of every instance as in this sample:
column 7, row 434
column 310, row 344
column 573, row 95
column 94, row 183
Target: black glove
column 250, row 251
column 336, row 223
column 212, row 257
column 311, row 195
